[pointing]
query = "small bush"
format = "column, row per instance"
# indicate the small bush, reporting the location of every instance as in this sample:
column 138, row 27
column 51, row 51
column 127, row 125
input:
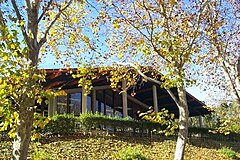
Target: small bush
column 228, row 152
column 89, row 120
column 41, row 155
column 61, row 124
column 130, row 154
column 4, row 136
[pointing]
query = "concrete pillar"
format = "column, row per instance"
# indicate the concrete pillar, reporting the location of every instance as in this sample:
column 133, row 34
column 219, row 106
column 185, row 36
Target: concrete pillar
column 114, row 103
column 93, row 101
column 54, row 105
column 104, row 103
column 200, row 122
column 124, row 98
column 155, row 98
column 84, row 100
column 50, row 106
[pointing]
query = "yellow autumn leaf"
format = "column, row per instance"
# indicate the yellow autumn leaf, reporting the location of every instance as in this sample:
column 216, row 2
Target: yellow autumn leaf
column 85, row 38
column 5, row 58
column 173, row 2
column 21, row 23
column 13, row 46
column 120, row 55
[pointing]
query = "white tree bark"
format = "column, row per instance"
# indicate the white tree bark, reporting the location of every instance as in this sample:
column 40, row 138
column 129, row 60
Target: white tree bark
column 24, row 130
column 183, row 125
column 181, row 102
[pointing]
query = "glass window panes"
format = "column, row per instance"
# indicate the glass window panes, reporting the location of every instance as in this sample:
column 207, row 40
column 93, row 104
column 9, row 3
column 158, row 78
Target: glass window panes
column 75, row 103
column 109, row 111
column 61, row 104
column 89, row 99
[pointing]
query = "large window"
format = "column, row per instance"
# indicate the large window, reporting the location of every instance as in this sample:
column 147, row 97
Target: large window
column 109, row 111
column 75, row 103
column 107, row 102
column 89, row 99
column 62, row 104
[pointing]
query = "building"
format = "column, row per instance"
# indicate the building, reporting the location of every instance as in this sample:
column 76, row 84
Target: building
column 108, row 101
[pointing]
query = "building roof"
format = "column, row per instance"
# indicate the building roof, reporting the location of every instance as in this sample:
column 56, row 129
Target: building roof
column 56, row 78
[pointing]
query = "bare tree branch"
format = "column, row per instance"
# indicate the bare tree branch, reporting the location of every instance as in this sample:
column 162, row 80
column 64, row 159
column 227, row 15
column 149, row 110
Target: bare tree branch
column 19, row 17
column 44, row 39
column 226, row 71
column 28, row 4
column 151, row 20
column 44, row 11
column 1, row 18
column 144, row 35
column 119, row 11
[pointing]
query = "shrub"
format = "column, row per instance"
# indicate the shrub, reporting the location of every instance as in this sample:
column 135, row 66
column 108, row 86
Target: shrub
column 89, row 120
column 228, row 152
column 61, row 124
column 41, row 155
column 4, row 136
column 130, row 154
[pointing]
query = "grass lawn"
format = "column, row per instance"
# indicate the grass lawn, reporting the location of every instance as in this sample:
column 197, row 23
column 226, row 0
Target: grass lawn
column 106, row 147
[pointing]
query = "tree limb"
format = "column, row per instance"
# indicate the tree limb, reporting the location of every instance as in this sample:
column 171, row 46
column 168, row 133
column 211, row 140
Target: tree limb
column 19, row 17
column 1, row 18
column 28, row 4
column 44, row 11
column 231, row 81
column 141, row 32
column 151, row 79
column 44, row 39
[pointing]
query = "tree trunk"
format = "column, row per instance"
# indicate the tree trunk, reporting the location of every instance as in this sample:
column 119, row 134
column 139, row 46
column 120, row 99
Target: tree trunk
column 23, row 130
column 232, row 80
column 183, row 125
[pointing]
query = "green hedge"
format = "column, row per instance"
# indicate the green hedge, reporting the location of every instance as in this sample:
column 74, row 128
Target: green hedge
column 90, row 120
column 61, row 124
column 208, row 133
column 68, row 123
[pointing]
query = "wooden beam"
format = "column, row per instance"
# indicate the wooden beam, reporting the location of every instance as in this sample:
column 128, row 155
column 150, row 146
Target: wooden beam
column 135, row 100
column 74, row 82
column 102, row 87
column 124, row 98
column 155, row 99
column 51, row 85
column 99, row 79
column 93, row 99
column 144, row 90
column 76, row 90
column 138, row 102
column 84, row 100
column 166, row 95
column 54, row 75
column 173, row 103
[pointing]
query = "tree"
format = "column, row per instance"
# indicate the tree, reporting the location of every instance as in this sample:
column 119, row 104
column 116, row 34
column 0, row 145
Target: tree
column 221, row 56
column 25, row 30
column 161, row 35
